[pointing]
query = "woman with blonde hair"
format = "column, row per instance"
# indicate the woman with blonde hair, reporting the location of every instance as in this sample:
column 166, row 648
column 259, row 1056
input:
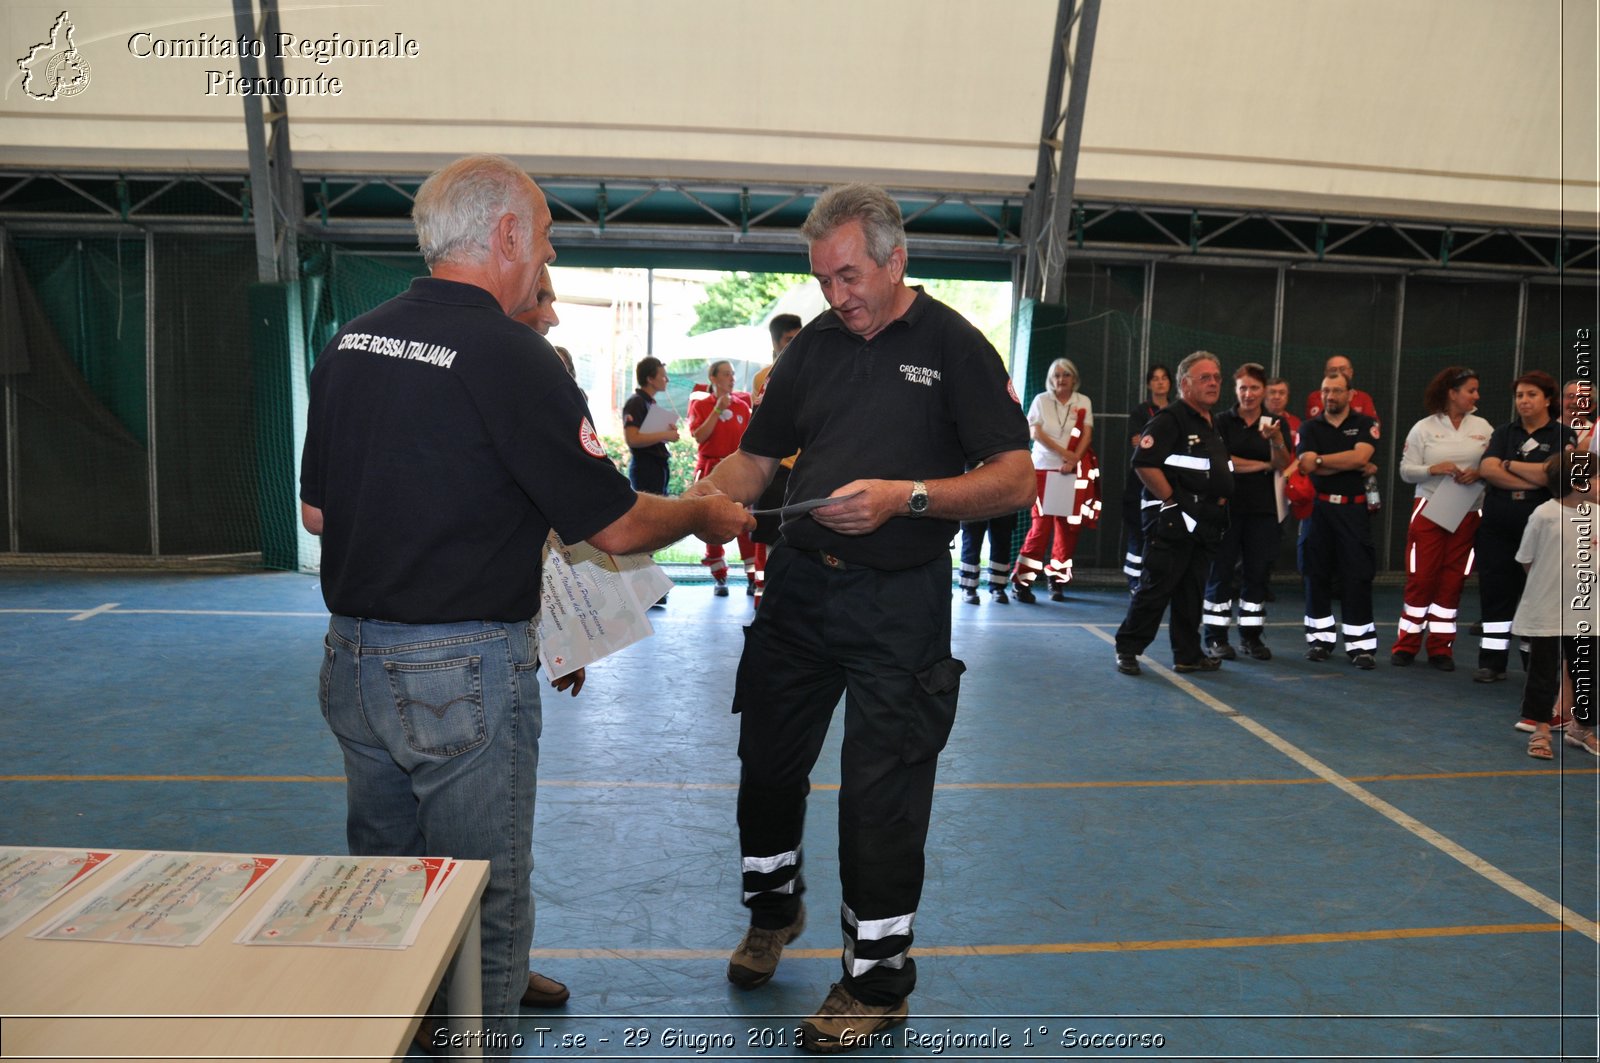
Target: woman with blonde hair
column 1061, row 421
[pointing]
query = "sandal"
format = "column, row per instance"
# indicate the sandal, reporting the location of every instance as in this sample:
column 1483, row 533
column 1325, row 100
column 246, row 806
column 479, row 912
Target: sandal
column 1539, row 746
column 1584, row 738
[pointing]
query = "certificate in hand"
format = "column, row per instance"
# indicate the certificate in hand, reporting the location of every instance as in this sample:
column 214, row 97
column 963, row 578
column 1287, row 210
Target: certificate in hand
column 659, row 419
column 1451, row 502
column 1060, row 494
column 797, row 508
column 593, row 604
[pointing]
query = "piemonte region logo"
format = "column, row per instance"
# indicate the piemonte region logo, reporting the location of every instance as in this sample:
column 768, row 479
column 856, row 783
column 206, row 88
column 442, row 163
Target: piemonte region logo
column 55, row 69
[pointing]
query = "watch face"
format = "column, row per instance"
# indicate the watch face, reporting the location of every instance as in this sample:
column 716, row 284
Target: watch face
column 919, row 499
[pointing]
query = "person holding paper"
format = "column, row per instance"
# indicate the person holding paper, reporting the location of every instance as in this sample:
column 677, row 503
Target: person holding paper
column 1257, row 445
column 1187, row 478
column 648, row 468
column 889, row 397
column 443, row 442
column 1513, row 469
column 1441, row 457
column 1061, row 422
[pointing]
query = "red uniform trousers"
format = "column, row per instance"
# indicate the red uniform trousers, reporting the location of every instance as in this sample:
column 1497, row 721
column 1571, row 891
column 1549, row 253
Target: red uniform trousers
column 1438, row 563
column 715, row 558
column 1055, row 539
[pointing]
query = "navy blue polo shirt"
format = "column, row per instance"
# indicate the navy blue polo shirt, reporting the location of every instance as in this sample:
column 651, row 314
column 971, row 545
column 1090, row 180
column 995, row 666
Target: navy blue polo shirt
column 444, row 440
column 1252, row 491
column 925, row 399
column 1512, row 442
column 1317, row 436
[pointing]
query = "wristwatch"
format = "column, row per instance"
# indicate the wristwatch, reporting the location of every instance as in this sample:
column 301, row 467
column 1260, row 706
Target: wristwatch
column 918, row 503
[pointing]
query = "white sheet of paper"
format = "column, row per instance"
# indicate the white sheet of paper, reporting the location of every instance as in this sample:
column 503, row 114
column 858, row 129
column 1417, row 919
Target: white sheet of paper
column 592, row 604
column 659, row 419
column 1450, row 502
column 1279, row 498
column 1060, row 494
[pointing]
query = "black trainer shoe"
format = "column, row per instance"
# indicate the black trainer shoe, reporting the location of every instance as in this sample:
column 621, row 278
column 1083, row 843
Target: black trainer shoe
column 1222, row 651
column 1401, row 659
column 998, row 596
column 1257, row 649
column 1128, row 664
column 1318, row 652
column 1204, row 664
column 1487, row 675
column 1057, row 594
column 1364, row 661
column 720, row 590
column 1025, row 595
column 970, row 597
column 1443, row 662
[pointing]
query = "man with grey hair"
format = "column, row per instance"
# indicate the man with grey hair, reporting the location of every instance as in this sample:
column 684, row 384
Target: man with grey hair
column 1187, row 477
column 888, row 398
column 443, row 442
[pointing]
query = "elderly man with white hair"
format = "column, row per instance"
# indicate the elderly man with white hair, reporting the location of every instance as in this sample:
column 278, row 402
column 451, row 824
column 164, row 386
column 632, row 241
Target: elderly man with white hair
column 443, row 442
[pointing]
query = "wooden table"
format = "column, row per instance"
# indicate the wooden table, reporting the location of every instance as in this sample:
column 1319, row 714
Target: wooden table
column 219, row 1000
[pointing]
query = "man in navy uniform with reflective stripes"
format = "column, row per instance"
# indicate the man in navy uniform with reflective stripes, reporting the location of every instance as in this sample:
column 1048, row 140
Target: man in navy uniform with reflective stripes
column 1335, row 449
column 889, row 397
column 1187, row 477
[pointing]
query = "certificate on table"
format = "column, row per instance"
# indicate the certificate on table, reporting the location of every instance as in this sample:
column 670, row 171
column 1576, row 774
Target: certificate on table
column 1451, row 502
column 173, row 899
column 365, row 902
column 32, row 878
column 1060, row 494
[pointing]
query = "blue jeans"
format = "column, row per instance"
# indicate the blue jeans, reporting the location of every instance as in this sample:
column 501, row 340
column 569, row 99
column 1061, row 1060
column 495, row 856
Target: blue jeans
column 440, row 724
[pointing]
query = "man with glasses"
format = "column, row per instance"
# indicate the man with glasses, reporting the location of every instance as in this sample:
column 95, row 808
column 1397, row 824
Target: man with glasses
column 1183, row 463
column 1335, row 448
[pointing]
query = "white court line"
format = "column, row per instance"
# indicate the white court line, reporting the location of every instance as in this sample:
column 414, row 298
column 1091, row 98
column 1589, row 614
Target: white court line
column 1516, row 887
column 96, row 611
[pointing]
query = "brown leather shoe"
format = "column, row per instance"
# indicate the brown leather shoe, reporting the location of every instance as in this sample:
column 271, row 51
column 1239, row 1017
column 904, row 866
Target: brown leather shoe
column 544, row 992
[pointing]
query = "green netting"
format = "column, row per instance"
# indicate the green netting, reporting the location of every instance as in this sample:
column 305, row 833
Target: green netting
column 98, row 427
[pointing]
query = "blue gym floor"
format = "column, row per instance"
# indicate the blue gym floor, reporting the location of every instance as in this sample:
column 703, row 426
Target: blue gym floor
column 1278, row 860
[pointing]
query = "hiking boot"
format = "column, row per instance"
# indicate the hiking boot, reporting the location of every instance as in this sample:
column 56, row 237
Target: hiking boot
column 1487, row 675
column 1222, row 651
column 1257, row 649
column 1364, row 661
column 970, row 597
column 1058, row 595
column 998, row 596
column 1402, row 658
column 754, row 961
column 1318, row 652
column 844, row 1023
column 1025, row 595
column 1442, row 662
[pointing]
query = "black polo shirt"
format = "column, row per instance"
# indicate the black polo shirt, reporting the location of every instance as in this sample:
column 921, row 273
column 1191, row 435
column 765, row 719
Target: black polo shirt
column 1317, row 436
column 922, row 400
column 443, row 442
column 1185, row 446
column 1252, row 491
column 1512, row 442
column 634, row 411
